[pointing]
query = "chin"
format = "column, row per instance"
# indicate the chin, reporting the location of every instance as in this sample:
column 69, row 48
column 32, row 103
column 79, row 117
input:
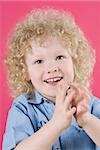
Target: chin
column 50, row 95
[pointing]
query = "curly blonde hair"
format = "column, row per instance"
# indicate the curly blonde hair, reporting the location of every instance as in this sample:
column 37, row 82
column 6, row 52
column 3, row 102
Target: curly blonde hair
column 37, row 25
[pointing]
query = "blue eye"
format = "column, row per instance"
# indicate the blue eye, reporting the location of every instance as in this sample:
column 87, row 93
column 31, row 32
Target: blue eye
column 38, row 61
column 60, row 57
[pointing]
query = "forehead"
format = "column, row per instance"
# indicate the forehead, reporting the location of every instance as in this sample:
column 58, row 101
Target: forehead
column 50, row 44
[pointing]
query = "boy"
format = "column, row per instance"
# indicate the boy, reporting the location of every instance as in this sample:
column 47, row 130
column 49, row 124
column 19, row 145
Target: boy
column 50, row 63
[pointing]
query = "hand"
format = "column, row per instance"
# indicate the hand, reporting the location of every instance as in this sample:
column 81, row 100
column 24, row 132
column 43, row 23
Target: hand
column 81, row 102
column 63, row 112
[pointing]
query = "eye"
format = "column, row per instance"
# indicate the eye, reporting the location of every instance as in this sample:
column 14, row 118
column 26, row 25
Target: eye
column 38, row 61
column 60, row 57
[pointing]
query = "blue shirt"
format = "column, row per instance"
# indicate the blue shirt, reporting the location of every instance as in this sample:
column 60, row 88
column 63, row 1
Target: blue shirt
column 29, row 113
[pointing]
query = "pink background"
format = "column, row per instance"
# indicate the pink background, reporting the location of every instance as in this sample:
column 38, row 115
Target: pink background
column 87, row 16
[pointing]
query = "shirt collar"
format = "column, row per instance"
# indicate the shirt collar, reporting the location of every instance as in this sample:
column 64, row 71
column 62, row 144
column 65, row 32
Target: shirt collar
column 36, row 98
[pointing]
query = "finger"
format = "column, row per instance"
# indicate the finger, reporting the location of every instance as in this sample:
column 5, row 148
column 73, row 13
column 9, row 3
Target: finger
column 62, row 88
column 83, row 101
column 85, row 104
column 81, row 109
column 70, row 113
column 81, row 89
column 86, row 99
column 73, row 110
column 69, row 99
column 80, row 94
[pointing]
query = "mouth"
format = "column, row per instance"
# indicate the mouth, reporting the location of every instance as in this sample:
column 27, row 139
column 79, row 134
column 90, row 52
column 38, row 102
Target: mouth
column 53, row 81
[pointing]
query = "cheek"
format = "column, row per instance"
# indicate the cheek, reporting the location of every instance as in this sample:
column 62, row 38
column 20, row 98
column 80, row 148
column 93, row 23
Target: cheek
column 35, row 74
column 71, row 68
column 36, row 80
column 68, row 69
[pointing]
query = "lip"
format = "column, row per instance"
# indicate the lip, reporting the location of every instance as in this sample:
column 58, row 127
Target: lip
column 52, row 78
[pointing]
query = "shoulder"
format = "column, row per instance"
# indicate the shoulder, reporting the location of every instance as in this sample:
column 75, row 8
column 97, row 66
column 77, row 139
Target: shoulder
column 20, row 114
column 95, row 106
column 20, row 108
column 19, row 124
column 20, row 103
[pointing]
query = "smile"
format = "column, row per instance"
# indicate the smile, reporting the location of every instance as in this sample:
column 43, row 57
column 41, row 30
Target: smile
column 53, row 80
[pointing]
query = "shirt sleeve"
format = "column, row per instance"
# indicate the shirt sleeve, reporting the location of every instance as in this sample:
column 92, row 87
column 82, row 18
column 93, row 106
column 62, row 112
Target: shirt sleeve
column 18, row 127
column 96, row 111
column 96, row 107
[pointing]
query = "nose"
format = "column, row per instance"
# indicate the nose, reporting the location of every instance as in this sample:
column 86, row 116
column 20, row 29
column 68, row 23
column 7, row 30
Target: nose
column 52, row 70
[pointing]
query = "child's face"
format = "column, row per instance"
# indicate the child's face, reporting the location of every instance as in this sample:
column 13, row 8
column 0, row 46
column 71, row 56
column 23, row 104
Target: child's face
column 48, row 65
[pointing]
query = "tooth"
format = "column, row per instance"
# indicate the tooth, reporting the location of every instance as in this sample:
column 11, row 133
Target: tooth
column 55, row 79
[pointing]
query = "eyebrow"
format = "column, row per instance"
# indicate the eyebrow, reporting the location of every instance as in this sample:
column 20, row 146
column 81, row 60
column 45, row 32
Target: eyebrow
column 37, row 56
